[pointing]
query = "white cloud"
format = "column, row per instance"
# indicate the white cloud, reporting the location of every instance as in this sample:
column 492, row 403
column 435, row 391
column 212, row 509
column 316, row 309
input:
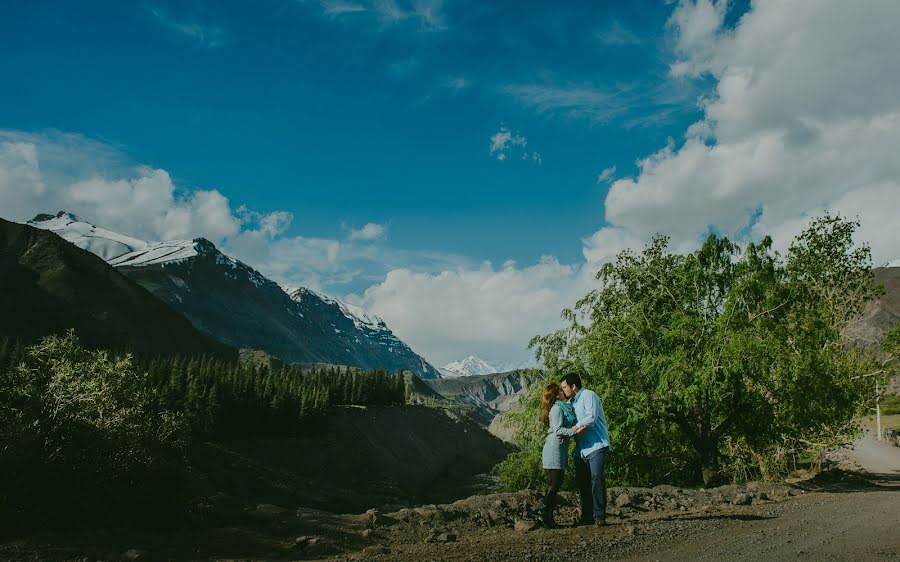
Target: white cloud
column 636, row 104
column 578, row 101
column 210, row 36
column 804, row 118
column 617, row 35
column 606, row 175
column 426, row 15
column 484, row 311
column 504, row 141
column 370, row 231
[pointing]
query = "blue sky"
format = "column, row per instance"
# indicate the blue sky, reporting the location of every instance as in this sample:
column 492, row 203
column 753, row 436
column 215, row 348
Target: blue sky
column 340, row 112
column 460, row 168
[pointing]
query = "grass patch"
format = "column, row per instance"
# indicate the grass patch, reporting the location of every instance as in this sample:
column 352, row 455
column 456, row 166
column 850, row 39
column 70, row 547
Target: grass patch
column 890, row 405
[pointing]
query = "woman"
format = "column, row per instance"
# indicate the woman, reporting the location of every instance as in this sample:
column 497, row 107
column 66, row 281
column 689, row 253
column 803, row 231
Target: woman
column 556, row 415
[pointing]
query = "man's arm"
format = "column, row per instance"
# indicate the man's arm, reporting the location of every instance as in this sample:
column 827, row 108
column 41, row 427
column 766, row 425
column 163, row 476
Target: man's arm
column 591, row 407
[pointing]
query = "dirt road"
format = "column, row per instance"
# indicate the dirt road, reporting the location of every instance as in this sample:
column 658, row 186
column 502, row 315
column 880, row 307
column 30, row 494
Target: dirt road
column 875, row 457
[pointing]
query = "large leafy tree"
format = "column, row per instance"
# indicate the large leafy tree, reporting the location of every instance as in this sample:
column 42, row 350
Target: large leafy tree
column 727, row 358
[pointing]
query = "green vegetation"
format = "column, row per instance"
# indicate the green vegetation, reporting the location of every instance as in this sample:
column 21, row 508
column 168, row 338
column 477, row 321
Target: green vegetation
column 725, row 362
column 87, row 436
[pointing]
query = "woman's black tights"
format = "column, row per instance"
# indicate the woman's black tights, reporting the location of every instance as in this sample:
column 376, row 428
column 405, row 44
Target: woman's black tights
column 554, row 483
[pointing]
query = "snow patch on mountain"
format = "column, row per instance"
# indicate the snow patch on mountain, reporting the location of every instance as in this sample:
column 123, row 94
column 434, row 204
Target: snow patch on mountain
column 157, row 253
column 99, row 241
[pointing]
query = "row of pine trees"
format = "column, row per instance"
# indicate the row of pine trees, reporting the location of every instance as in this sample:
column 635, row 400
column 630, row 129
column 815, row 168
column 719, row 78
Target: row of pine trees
column 225, row 399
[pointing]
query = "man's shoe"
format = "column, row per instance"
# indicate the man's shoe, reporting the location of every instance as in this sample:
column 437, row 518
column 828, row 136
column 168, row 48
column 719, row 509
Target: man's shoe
column 600, row 521
column 583, row 522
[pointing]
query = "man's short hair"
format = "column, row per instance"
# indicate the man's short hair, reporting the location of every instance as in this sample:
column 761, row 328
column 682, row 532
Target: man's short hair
column 572, row 379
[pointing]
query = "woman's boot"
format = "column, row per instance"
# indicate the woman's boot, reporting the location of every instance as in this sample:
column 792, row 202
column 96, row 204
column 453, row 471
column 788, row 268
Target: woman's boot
column 547, row 516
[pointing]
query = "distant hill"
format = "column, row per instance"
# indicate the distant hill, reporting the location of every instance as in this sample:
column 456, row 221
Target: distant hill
column 880, row 316
column 488, row 395
column 48, row 285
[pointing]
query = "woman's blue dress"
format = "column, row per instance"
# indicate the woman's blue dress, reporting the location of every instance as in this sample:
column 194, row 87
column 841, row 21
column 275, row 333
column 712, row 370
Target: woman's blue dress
column 556, row 448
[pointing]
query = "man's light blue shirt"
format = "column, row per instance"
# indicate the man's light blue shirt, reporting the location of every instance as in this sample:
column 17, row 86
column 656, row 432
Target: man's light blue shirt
column 589, row 411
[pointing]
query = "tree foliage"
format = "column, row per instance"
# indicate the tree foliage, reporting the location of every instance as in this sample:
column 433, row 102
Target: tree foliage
column 78, row 430
column 727, row 359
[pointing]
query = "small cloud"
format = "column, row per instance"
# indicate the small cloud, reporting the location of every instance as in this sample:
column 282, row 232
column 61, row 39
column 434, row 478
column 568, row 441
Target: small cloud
column 534, row 157
column 455, row 85
column 371, row 231
column 504, row 141
column 336, row 8
column 617, row 35
column 606, row 176
column 209, row 36
column 404, row 67
column 427, row 15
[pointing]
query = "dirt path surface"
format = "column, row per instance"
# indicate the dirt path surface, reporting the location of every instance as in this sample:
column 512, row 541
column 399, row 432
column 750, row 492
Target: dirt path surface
column 851, row 521
column 875, row 457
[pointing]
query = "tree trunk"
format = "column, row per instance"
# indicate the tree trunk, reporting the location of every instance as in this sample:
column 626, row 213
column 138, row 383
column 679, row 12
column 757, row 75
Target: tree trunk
column 709, row 462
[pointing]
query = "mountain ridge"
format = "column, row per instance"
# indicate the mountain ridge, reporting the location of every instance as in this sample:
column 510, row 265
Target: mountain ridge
column 242, row 308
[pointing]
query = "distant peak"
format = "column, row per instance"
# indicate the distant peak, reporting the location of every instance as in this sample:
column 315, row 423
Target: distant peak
column 44, row 217
column 204, row 246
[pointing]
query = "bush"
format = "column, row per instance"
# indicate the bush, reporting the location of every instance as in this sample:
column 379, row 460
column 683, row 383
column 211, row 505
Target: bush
column 82, row 441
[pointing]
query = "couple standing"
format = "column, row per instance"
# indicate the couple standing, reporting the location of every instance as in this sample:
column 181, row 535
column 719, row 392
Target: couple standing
column 569, row 410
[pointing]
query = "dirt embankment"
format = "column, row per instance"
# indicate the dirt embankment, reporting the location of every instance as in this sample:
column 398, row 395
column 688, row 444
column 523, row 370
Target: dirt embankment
column 362, row 457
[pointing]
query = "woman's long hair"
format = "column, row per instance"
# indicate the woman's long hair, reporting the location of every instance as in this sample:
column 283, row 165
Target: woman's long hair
column 551, row 393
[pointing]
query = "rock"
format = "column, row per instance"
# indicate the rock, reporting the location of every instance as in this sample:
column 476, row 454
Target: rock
column 623, row 500
column 366, row 533
column 445, row 537
column 742, row 499
column 525, row 525
column 375, row 550
column 136, row 554
column 762, row 495
column 267, row 511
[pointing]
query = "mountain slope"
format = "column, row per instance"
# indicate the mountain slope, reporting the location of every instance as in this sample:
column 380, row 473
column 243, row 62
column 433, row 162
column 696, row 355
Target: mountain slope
column 489, row 395
column 241, row 307
column 49, row 285
column 881, row 315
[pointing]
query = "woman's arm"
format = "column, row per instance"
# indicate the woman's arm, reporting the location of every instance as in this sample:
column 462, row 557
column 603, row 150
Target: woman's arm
column 556, row 422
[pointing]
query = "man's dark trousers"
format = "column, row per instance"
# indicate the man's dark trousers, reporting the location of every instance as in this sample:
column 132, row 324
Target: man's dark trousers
column 592, row 484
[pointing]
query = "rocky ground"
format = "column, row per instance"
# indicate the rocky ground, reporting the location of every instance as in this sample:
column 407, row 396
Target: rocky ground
column 835, row 516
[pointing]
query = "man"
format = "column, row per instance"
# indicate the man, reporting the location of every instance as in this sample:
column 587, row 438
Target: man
column 592, row 447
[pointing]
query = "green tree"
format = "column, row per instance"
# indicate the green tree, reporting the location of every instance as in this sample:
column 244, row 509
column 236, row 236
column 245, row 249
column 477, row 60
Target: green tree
column 79, row 430
column 726, row 358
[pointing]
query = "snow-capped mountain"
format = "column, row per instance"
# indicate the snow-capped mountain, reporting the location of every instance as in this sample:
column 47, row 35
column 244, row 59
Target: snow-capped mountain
column 470, row 366
column 239, row 306
column 51, row 286
column 474, row 366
